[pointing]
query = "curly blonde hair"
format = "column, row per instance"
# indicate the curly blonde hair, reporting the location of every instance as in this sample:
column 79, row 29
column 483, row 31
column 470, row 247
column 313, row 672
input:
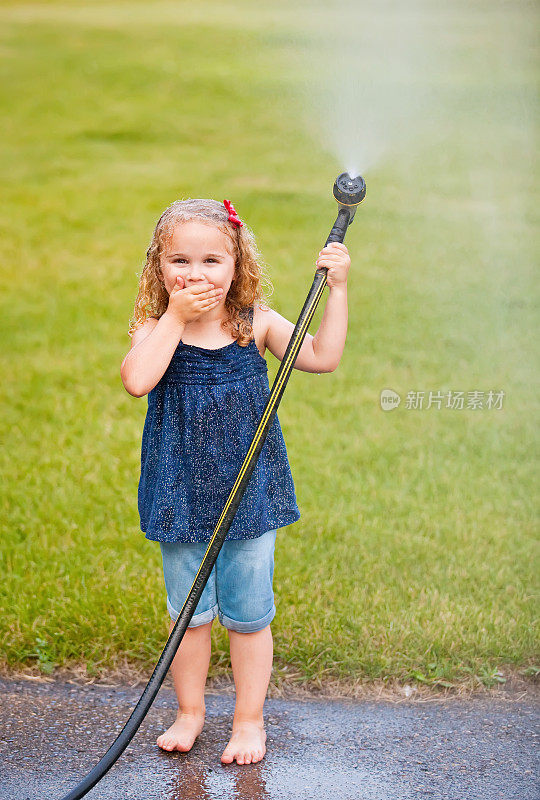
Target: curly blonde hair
column 153, row 298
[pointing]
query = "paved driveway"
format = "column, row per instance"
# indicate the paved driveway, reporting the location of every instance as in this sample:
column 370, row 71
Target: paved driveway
column 476, row 749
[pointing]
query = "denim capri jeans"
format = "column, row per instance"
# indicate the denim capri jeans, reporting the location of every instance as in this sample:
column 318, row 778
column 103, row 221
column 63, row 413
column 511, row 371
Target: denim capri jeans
column 239, row 589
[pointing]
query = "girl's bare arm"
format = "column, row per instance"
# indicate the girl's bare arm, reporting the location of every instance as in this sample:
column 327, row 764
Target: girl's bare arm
column 152, row 347
column 322, row 352
column 319, row 353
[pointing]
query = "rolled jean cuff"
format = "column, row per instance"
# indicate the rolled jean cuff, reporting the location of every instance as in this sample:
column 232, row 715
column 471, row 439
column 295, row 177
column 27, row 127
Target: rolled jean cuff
column 247, row 627
column 196, row 619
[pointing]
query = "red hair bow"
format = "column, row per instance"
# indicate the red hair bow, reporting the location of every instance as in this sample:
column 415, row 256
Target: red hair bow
column 233, row 216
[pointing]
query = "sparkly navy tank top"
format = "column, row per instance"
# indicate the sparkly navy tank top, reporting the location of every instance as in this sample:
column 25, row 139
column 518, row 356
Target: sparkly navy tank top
column 200, row 422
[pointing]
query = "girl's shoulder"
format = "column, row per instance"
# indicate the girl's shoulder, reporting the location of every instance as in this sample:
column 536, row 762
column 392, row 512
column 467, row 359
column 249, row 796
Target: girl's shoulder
column 261, row 321
column 256, row 314
column 260, row 311
column 143, row 330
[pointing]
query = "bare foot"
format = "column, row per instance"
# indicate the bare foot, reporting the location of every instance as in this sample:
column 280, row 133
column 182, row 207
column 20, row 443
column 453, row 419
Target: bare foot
column 247, row 744
column 182, row 733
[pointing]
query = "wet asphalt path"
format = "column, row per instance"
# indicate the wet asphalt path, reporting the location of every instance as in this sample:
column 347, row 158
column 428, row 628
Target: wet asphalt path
column 52, row 734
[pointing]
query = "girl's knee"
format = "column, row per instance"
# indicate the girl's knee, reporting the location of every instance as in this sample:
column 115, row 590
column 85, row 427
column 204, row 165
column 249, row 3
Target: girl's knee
column 206, row 627
column 233, row 632
column 201, row 630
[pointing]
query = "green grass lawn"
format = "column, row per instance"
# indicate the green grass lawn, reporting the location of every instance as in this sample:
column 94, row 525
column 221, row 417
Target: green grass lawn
column 416, row 554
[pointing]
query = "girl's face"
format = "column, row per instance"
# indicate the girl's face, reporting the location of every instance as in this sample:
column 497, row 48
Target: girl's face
column 200, row 253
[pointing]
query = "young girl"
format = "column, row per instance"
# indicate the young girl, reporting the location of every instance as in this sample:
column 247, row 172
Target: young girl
column 199, row 335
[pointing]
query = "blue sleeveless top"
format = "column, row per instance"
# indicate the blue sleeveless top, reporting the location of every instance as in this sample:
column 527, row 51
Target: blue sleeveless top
column 200, row 422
